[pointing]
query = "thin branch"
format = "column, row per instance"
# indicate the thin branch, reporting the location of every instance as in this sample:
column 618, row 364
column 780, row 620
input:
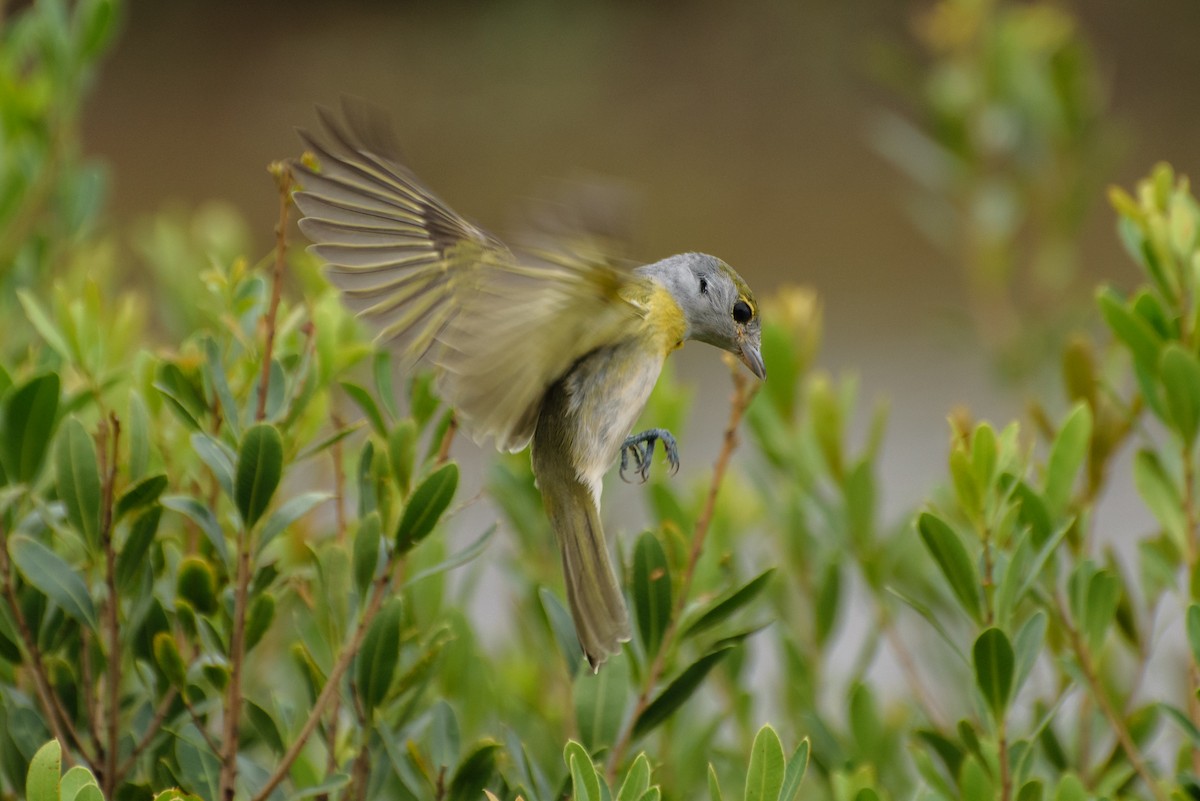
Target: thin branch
column 108, row 455
column 237, row 658
column 379, row 591
column 283, row 179
column 743, row 393
column 160, row 717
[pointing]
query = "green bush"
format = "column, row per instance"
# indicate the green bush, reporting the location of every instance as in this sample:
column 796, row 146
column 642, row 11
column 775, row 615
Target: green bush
column 226, row 546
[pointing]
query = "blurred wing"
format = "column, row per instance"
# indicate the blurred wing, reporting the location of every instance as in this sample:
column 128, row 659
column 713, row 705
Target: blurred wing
column 498, row 332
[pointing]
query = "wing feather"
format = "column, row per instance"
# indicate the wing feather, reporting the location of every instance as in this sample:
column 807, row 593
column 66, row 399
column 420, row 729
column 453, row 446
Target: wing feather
column 498, row 330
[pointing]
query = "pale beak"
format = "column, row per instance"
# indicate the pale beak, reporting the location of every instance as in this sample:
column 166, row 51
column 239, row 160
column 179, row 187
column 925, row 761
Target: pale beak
column 752, row 358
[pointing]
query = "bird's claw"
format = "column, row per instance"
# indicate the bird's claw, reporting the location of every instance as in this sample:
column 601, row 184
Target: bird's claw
column 641, row 446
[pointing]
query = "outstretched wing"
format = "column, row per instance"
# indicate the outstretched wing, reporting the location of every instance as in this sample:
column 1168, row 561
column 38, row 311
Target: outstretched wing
column 498, row 331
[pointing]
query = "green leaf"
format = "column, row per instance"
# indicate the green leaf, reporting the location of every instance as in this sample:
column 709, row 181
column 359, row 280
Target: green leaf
column 265, row 725
column 78, row 478
column 584, row 778
column 288, row 513
column 366, row 552
column 1027, row 645
column 677, row 692
column 220, row 382
column 426, row 506
column 197, row 584
column 600, row 701
column 27, row 419
column 829, row 596
column 204, row 518
column 1142, row 341
column 727, row 604
column 181, row 394
column 456, row 559
column 402, row 454
column 1030, row 791
column 563, row 629
column 1103, row 596
column 1161, row 496
column 1070, row 788
column 1180, row 372
column 474, row 772
column 1184, row 723
column 41, row 782
column 139, row 436
column 764, row 778
column 141, row 494
column 364, row 401
column 74, row 781
column 1067, row 455
column 376, row 665
column 217, row 456
column 994, row 662
column 45, row 327
column 258, row 618
column 132, row 554
column 714, row 786
column 797, row 766
column 1193, row 631
column 957, row 568
column 259, row 468
column 57, row 580
column 637, row 779
column 651, row 591
column 169, row 660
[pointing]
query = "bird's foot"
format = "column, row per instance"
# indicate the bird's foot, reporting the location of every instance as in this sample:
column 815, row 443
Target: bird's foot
column 641, row 448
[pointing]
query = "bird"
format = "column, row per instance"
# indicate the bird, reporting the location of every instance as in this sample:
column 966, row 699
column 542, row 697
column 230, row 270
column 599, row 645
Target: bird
column 556, row 349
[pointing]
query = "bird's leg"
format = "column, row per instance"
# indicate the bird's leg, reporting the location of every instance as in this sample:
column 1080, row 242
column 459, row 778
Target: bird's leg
column 641, row 445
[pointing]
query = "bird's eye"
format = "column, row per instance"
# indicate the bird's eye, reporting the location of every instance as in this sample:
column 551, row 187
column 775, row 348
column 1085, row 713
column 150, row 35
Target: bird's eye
column 742, row 312
column 703, row 286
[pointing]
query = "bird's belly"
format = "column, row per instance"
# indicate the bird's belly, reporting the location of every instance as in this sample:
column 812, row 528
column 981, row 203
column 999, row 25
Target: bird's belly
column 606, row 392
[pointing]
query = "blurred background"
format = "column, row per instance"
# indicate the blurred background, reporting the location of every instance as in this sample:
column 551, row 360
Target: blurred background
column 803, row 142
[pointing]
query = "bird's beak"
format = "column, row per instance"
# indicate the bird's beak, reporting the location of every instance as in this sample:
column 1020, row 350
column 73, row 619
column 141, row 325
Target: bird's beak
column 752, row 358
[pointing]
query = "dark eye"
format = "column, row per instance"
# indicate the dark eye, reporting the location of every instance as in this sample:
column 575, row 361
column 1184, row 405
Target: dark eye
column 703, row 287
column 742, row 312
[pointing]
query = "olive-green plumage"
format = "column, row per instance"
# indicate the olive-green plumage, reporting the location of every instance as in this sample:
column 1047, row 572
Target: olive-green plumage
column 554, row 347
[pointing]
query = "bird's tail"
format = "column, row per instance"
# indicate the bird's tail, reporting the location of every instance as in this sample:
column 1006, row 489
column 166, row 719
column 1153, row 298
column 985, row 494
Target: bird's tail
column 597, row 606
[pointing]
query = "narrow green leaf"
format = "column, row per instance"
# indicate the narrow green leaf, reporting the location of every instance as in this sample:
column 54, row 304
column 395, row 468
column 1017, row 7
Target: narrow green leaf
column 132, row 553
column 1030, row 791
column 265, row 725
column 651, row 591
column 288, row 513
column 677, row 692
column 1180, row 372
column 600, row 702
column 364, row 401
column 141, row 494
column 57, row 580
column 366, row 552
column 381, row 366
column 637, row 779
column 1161, row 496
column 994, row 662
column 321, row 445
column 78, row 478
column 204, row 518
column 181, row 394
column 1193, row 631
column 169, row 660
column 1184, row 723
column 402, row 454
column 139, row 437
column 1067, row 455
column 727, row 604
column 797, row 766
column 563, row 629
column 259, row 468
column 426, row 506
column 764, row 778
column 584, row 778
column 456, row 559
column 828, row 600
column 376, row 661
column 41, row 782
column 1027, row 645
column 714, row 786
column 218, row 457
column 1137, row 335
column 258, row 618
column 951, row 557
column 1103, row 597
column 474, row 772
column 45, row 327
column 27, row 419
column 230, row 412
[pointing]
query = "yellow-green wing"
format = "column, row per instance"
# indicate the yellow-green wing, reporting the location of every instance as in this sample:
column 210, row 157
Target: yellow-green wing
column 497, row 330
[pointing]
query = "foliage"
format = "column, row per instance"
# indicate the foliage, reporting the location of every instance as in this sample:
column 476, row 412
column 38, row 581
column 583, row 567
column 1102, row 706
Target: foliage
column 226, row 553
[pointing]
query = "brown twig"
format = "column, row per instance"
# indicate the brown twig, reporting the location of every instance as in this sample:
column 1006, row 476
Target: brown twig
column 378, row 592
column 1106, row 707
column 443, row 454
column 108, row 455
column 283, row 179
column 160, row 717
column 237, row 658
column 743, row 393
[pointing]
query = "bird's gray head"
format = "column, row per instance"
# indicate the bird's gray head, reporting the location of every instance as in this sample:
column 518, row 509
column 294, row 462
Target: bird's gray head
column 718, row 305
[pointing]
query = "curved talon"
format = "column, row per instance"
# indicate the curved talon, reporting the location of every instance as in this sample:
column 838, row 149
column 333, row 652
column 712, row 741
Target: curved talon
column 642, row 447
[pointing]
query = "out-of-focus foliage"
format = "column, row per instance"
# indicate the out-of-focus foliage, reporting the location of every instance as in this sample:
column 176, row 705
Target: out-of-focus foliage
column 226, row 555
column 1007, row 142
